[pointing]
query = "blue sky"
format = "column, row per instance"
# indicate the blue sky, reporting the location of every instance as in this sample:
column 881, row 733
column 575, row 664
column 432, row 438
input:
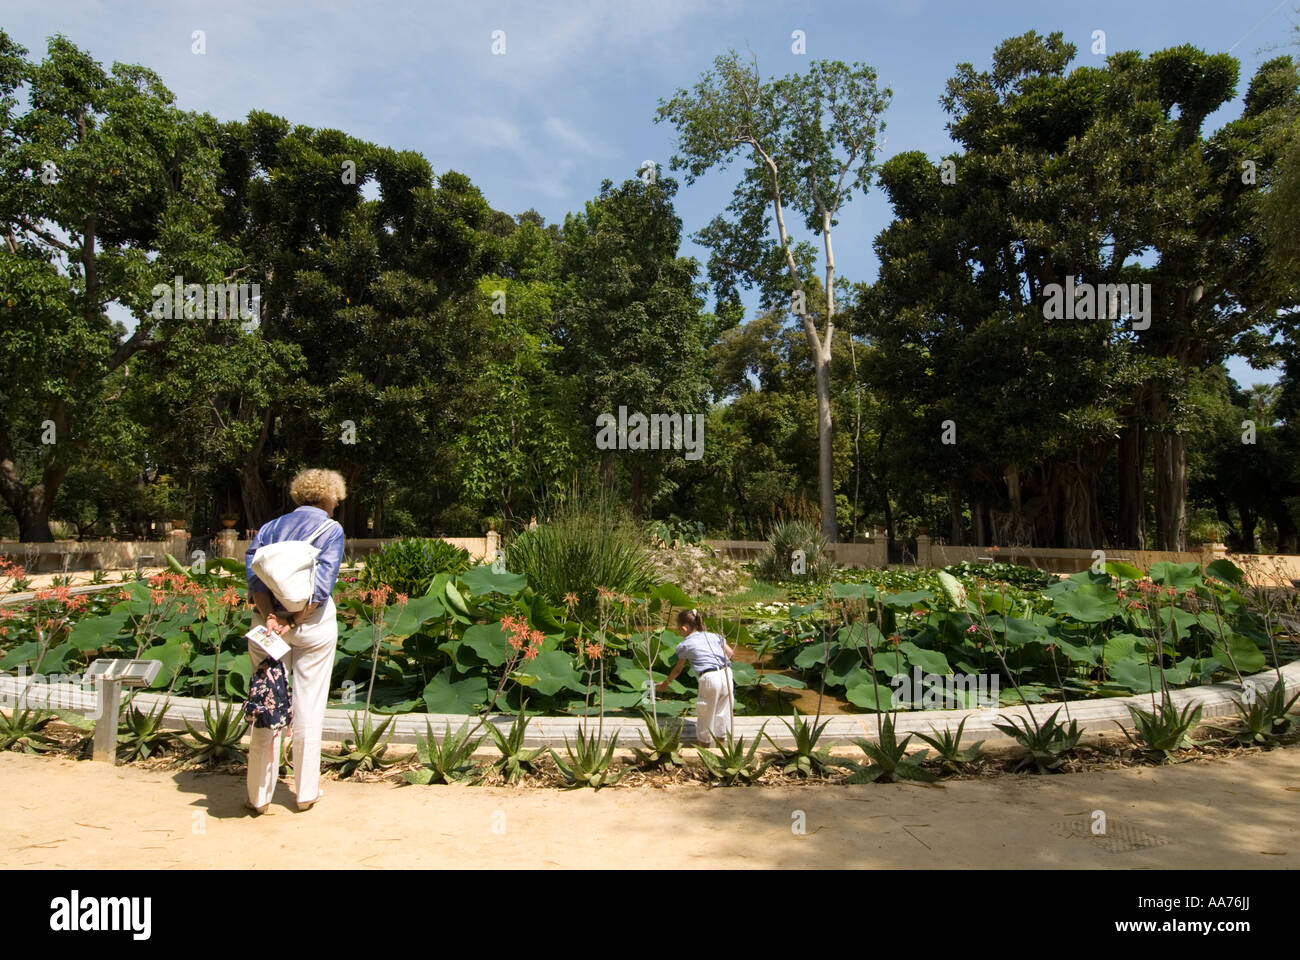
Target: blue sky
column 573, row 98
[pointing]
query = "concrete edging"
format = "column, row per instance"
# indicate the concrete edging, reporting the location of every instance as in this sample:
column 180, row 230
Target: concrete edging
column 1094, row 716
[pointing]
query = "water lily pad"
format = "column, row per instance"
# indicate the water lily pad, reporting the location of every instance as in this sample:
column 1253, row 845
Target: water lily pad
column 1226, row 571
column 96, row 632
column 815, row 654
column 406, row 619
column 779, row 681
column 673, row 595
column 930, row 661
column 554, row 671
column 488, row 640
column 1124, row 571
column 1180, row 576
column 445, row 695
column 19, row 655
column 1087, row 606
column 1240, row 651
column 483, row 580
column 174, row 654
column 871, row 696
column 906, row 599
column 854, row 591
column 1120, row 646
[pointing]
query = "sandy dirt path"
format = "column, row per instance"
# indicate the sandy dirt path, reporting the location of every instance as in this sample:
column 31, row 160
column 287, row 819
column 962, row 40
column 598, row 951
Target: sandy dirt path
column 1228, row 813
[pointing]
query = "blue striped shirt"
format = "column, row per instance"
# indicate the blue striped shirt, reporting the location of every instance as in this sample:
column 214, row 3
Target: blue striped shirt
column 299, row 525
column 703, row 650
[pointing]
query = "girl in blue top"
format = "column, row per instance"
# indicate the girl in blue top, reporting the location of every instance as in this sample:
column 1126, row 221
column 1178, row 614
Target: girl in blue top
column 710, row 658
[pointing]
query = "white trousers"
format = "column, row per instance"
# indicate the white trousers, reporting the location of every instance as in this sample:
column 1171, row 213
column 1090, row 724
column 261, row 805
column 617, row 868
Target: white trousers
column 713, row 709
column 311, row 664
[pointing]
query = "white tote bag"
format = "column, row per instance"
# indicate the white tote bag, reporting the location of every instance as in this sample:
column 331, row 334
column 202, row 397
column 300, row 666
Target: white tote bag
column 288, row 568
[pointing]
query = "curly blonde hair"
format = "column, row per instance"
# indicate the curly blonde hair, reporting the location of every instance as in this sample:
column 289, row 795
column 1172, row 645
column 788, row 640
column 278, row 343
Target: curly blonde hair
column 310, row 488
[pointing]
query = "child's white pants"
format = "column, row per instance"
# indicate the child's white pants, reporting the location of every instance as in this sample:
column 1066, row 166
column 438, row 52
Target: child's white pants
column 311, row 661
column 713, row 709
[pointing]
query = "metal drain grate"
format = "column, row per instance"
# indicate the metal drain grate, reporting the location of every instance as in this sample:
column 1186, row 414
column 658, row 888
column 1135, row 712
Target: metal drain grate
column 1118, row 838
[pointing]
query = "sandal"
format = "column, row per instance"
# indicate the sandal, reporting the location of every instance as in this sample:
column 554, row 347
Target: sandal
column 248, row 805
column 304, row 807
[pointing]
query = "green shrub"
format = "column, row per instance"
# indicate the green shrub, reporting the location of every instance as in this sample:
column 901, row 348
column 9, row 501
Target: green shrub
column 409, row 566
column 806, row 760
column 460, row 520
column 1046, row 744
column 779, row 561
column 581, row 549
column 221, row 736
column 735, row 763
column 450, row 760
column 1264, row 719
column 142, row 735
column 664, row 748
column 22, row 730
column 1163, row 731
column 948, row 745
column 589, row 761
column 364, row 751
column 888, row 759
column 1028, row 578
column 674, row 531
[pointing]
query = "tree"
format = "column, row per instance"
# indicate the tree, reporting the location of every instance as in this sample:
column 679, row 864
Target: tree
column 631, row 324
column 811, row 143
column 360, row 331
column 518, row 440
column 105, row 190
column 1069, row 174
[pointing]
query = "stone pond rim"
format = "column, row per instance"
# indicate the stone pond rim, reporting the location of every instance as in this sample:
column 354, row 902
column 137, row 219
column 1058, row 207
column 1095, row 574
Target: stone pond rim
column 1094, row 716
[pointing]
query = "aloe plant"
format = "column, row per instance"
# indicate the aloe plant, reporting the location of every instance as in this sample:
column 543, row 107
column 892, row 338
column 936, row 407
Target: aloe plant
column 364, row 750
column 445, row 761
column 589, row 761
column 515, row 757
column 889, row 760
column 734, row 763
column 805, row 760
column 1046, row 743
column 22, row 730
column 663, row 749
column 1162, row 731
column 948, row 746
column 221, row 736
column 141, row 735
column 1265, row 719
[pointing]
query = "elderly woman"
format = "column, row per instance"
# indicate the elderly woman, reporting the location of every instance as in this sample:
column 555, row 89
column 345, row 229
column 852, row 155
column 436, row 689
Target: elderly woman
column 312, row 634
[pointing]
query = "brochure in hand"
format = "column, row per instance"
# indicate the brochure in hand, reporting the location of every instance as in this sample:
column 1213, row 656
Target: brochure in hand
column 267, row 643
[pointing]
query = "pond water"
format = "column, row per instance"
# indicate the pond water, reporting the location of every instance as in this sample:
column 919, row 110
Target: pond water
column 781, row 702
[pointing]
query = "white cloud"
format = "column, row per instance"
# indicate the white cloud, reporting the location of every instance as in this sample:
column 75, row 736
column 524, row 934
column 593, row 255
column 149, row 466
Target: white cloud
column 485, row 131
column 563, row 131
